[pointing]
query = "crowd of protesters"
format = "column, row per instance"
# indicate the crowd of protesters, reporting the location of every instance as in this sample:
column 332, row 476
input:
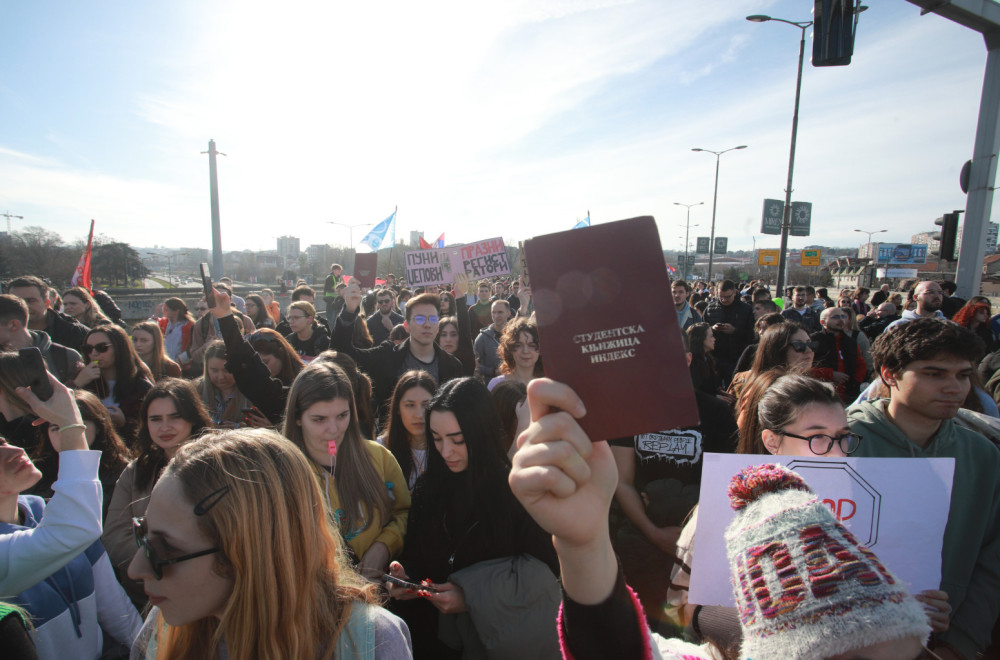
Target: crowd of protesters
column 393, row 476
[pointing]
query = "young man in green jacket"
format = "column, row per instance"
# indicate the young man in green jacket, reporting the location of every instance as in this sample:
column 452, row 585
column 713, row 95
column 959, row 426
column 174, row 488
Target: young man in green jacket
column 928, row 366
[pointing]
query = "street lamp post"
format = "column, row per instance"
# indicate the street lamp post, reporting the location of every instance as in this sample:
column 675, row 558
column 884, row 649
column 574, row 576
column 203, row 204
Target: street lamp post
column 786, row 219
column 715, row 199
column 687, row 232
column 871, row 282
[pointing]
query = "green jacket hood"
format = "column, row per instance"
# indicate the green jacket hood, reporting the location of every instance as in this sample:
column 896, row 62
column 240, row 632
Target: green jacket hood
column 869, row 420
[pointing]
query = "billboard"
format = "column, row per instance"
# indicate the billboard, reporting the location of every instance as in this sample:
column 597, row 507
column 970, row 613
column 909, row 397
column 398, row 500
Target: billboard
column 901, row 253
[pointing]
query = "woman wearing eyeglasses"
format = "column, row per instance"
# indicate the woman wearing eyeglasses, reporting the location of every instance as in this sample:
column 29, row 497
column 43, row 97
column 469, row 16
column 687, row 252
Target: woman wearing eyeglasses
column 147, row 338
column 117, row 375
column 172, row 414
column 237, row 557
column 362, row 484
column 520, row 356
column 488, row 569
column 51, row 562
column 406, row 430
column 307, row 337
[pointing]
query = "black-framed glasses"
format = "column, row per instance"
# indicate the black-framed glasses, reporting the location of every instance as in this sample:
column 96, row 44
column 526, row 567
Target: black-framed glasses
column 261, row 336
column 100, row 348
column 803, row 346
column 420, row 319
column 822, row 444
column 141, row 534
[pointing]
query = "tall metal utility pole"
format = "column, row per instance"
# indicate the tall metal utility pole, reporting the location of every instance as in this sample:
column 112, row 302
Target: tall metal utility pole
column 982, row 17
column 213, row 184
column 687, row 232
column 715, row 202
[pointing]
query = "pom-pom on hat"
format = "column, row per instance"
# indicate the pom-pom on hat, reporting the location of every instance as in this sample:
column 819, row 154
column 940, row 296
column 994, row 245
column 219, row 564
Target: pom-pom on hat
column 804, row 587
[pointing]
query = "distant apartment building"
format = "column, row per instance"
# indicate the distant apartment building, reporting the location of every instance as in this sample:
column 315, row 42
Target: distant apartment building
column 415, row 237
column 288, row 247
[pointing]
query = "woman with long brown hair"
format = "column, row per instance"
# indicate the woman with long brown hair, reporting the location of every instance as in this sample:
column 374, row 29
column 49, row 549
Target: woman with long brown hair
column 253, row 571
column 78, row 303
column 406, row 428
column 364, row 488
column 101, row 436
column 147, row 338
column 263, row 364
column 217, row 388
column 172, row 414
column 115, row 373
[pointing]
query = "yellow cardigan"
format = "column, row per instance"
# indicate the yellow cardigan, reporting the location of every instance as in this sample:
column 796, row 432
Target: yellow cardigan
column 390, row 532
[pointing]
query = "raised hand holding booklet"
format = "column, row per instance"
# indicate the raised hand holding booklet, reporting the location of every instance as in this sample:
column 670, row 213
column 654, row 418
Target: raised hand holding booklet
column 608, row 328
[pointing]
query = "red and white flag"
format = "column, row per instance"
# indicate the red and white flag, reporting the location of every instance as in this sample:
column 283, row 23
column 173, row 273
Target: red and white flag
column 82, row 275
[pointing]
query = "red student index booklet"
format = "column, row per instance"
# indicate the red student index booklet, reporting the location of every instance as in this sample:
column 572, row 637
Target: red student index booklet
column 364, row 268
column 608, row 328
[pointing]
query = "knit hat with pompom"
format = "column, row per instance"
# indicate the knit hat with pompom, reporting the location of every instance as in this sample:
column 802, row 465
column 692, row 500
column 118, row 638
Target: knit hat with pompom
column 804, row 587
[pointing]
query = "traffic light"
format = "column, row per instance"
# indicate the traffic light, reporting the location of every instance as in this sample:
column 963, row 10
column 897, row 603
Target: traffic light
column 835, row 23
column 947, row 237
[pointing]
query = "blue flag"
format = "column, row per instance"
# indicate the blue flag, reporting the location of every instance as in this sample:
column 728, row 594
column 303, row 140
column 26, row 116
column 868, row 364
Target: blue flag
column 382, row 235
column 583, row 223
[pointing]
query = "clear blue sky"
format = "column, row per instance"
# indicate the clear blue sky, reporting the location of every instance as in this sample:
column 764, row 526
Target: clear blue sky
column 477, row 121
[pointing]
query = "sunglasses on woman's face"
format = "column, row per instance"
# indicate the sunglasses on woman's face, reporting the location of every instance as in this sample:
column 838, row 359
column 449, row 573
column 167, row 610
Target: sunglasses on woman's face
column 803, row 346
column 100, row 348
column 141, row 535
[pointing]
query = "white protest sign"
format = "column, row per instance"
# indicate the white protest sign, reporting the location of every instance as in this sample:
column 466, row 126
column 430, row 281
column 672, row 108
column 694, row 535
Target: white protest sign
column 898, row 507
column 426, row 267
column 437, row 266
column 485, row 259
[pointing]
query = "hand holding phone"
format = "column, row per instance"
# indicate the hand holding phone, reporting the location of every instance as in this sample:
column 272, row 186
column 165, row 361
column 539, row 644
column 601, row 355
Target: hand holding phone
column 34, row 372
column 406, row 584
column 206, row 283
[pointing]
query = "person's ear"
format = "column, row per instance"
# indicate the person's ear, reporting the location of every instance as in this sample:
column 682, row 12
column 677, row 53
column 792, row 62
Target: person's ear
column 772, row 441
column 888, row 377
column 689, row 357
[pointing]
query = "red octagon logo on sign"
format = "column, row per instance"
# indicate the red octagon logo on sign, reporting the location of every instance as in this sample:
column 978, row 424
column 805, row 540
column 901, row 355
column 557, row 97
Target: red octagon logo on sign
column 851, row 499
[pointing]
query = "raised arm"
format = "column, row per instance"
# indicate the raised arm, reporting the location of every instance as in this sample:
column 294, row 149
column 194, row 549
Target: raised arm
column 253, row 379
column 72, row 518
column 566, row 483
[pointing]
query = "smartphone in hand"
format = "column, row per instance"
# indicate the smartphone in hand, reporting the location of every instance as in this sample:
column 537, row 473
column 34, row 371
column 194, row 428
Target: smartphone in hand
column 399, row 582
column 36, row 377
column 206, row 283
